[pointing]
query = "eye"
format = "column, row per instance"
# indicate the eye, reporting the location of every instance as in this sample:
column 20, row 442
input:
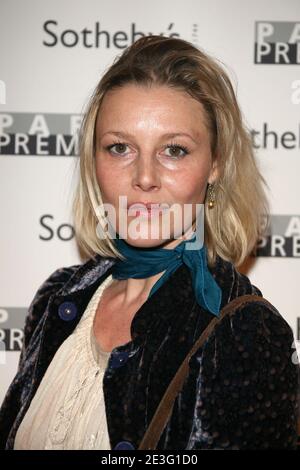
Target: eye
column 174, row 150
column 173, row 147
column 119, row 145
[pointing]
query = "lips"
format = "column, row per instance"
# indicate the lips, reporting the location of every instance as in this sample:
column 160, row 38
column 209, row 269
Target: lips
column 144, row 205
column 149, row 208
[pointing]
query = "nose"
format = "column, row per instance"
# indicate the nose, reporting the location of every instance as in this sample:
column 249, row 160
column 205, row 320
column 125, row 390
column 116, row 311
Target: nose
column 146, row 174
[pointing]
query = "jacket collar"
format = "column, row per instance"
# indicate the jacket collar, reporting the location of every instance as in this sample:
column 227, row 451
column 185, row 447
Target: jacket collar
column 87, row 274
column 232, row 282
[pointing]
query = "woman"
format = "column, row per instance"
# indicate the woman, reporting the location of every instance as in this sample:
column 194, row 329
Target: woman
column 104, row 339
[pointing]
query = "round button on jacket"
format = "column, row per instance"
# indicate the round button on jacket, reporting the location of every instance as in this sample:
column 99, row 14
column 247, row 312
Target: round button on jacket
column 118, row 359
column 124, row 445
column 67, row 311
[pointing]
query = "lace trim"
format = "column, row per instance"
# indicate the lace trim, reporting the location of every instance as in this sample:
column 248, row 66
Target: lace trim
column 91, row 368
column 85, row 339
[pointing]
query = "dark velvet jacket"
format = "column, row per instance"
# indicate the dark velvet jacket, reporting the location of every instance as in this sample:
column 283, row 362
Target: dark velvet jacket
column 241, row 391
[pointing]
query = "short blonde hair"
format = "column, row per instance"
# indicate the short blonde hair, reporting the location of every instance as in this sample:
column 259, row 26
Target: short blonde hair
column 241, row 212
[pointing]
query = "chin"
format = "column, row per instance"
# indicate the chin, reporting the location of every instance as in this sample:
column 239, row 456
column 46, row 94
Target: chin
column 147, row 243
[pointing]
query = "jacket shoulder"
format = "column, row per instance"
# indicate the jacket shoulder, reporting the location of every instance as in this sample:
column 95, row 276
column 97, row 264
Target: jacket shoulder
column 52, row 284
column 260, row 318
column 254, row 330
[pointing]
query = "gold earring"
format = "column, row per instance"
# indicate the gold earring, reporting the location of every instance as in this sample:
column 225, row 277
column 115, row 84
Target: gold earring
column 211, row 196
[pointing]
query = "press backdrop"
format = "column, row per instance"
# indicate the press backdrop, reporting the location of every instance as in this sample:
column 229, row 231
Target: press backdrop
column 52, row 54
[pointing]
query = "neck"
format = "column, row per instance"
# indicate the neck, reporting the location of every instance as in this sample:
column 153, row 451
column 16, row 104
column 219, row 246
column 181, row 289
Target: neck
column 132, row 291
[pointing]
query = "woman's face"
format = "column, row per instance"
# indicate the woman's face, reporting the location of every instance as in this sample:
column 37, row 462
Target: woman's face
column 152, row 146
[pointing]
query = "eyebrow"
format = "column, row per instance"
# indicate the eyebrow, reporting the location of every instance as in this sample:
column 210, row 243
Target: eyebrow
column 168, row 134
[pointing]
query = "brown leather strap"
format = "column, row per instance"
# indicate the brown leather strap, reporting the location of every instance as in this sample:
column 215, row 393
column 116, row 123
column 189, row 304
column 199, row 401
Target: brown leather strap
column 164, row 409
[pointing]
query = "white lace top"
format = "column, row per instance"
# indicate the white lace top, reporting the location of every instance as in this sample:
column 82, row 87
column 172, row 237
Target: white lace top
column 67, row 410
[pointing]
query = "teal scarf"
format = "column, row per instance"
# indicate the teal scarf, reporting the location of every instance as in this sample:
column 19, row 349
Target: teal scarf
column 141, row 263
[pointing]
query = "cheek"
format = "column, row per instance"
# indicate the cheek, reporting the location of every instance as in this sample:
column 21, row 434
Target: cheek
column 103, row 171
column 110, row 181
column 188, row 186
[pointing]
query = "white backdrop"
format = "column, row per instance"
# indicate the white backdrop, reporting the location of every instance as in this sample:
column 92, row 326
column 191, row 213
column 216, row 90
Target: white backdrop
column 53, row 54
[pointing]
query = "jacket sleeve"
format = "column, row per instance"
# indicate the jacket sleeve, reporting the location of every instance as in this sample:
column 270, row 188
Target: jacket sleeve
column 12, row 401
column 248, row 382
column 38, row 305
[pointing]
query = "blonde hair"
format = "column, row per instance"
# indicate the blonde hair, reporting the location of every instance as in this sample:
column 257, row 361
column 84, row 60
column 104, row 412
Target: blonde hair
column 233, row 226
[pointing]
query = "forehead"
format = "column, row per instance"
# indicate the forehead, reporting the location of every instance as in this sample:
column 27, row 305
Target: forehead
column 150, row 107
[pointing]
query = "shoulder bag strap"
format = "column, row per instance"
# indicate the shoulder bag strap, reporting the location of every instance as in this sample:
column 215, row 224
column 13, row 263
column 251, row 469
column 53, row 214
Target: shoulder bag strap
column 164, row 409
